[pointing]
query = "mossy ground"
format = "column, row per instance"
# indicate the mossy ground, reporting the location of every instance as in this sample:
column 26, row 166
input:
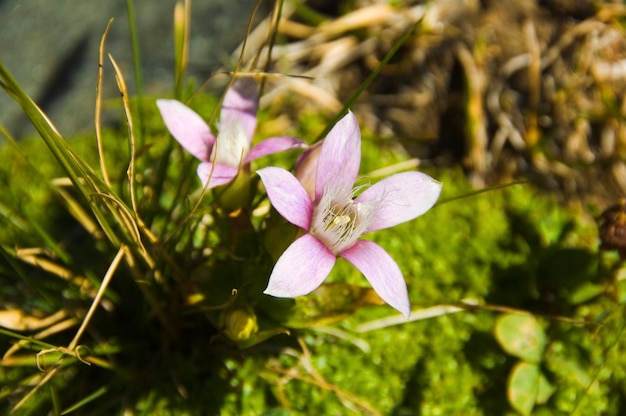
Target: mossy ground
column 509, row 249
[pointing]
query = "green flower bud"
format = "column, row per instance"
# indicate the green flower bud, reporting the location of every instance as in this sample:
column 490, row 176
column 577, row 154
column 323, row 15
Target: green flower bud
column 240, row 325
column 236, row 194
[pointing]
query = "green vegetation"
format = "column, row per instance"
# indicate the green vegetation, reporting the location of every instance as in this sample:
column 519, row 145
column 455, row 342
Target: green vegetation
column 506, row 252
column 126, row 289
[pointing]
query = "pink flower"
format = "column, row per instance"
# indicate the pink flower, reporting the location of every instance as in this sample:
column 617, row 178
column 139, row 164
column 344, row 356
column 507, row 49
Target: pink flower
column 223, row 156
column 334, row 219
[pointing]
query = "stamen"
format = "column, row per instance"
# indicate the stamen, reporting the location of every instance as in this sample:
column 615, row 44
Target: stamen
column 341, row 220
column 338, row 221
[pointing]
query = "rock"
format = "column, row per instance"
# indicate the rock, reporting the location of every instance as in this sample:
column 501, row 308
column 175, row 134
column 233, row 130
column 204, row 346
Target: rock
column 51, row 48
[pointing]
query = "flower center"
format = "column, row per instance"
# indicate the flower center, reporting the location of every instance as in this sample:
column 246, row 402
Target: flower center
column 338, row 221
column 231, row 146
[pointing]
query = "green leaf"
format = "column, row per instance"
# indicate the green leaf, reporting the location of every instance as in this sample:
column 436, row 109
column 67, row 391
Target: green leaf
column 521, row 336
column 527, row 387
column 93, row 396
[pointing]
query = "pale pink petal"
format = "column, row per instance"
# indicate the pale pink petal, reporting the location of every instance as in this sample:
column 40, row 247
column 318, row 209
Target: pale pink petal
column 340, row 157
column 240, row 107
column 187, row 127
column 382, row 272
column 273, row 145
column 301, row 268
column 287, row 195
column 401, row 197
column 219, row 174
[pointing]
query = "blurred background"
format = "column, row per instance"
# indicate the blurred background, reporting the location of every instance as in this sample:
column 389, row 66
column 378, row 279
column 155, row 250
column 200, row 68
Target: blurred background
column 530, row 89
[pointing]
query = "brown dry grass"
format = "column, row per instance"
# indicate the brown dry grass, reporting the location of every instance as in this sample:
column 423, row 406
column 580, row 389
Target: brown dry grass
column 509, row 89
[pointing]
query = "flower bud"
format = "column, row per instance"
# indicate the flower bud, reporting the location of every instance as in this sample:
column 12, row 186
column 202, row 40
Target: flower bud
column 240, row 325
column 236, row 194
column 306, row 167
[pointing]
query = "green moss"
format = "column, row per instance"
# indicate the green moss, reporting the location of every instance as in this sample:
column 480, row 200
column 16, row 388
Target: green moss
column 510, row 248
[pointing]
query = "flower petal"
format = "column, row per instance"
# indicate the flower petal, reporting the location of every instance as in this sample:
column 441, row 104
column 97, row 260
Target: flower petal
column 240, row 107
column 273, row 145
column 218, row 173
column 382, row 272
column 187, row 127
column 401, row 197
column 340, row 157
column 287, row 195
column 301, row 268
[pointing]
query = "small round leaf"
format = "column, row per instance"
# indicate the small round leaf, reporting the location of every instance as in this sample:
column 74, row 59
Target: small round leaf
column 521, row 336
column 527, row 387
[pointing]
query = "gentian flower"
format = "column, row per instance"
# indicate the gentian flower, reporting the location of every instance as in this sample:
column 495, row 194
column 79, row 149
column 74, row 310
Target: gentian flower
column 334, row 218
column 222, row 157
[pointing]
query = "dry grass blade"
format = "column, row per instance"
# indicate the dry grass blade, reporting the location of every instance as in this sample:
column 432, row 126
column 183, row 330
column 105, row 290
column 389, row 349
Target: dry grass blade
column 47, row 377
column 96, row 301
column 53, row 329
column 72, row 348
column 542, row 93
column 240, row 59
column 473, row 66
column 124, row 217
column 27, row 256
column 534, row 81
column 350, row 401
column 416, row 315
column 18, row 320
column 119, row 77
column 76, row 209
column 409, row 164
column 80, row 173
column 129, row 222
column 447, row 309
column 271, row 37
column 371, row 15
column 98, row 112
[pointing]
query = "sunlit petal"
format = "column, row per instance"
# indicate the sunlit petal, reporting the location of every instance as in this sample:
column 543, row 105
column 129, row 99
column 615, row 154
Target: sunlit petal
column 273, row 145
column 218, row 174
column 301, row 268
column 400, row 197
column 287, row 196
column 240, row 107
column 382, row 272
column 187, row 127
column 340, row 156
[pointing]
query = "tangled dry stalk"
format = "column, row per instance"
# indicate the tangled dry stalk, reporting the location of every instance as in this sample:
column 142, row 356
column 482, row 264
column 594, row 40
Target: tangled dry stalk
column 512, row 89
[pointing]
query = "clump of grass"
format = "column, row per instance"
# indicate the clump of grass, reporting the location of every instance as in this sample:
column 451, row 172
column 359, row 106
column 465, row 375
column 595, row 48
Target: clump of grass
column 113, row 258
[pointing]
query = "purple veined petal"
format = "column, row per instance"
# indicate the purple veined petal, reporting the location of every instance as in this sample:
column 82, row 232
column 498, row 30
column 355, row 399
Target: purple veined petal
column 301, row 268
column 240, row 107
column 382, row 272
column 287, row 195
column 401, row 197
column 218, row 174
column 340, row 157
column 273, row 145
column 187, row 127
